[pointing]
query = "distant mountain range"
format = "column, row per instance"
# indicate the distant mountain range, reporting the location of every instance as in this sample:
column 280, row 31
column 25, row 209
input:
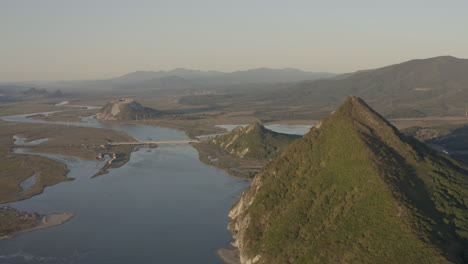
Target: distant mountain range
column 179, row 72
column 195, row 79
column 415, row 88
column 260, row 75
column 186, row 79
column 13, row 93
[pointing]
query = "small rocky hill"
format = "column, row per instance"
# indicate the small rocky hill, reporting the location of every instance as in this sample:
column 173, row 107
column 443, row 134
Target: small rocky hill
column 126, row 109
column 254, row 142
column 354, row 190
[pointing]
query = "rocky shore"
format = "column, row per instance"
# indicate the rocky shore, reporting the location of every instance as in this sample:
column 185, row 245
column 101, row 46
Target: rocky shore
column 229, row 255
column 46, row 221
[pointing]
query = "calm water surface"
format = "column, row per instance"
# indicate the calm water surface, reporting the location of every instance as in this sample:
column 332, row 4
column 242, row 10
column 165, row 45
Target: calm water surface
column 286, row 129
column 163, row 206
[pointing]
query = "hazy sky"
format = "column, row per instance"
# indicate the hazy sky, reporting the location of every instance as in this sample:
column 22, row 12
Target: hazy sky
column 92, row 39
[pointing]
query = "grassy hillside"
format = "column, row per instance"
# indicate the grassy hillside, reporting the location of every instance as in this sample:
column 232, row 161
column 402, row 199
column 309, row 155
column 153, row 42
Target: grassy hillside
column 254, row 142
column 233, row 165
column 355, row 190
column 243, row 151
column 411, row 89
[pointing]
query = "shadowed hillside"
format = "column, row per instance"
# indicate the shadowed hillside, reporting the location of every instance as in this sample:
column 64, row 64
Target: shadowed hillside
column 254, row 142
column 414, row 88
column 354, row 190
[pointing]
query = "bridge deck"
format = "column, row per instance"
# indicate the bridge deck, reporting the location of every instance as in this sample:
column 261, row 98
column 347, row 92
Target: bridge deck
column 153, row 142
column 109, row 143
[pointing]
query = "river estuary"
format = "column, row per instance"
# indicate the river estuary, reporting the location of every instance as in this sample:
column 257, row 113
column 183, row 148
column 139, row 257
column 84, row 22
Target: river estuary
column 163, row 206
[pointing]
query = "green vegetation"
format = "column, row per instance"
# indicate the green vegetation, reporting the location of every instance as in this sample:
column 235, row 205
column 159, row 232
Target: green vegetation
column 15, row 168
column 243, row 151
column 355, row 190
column 254, row 142
column 416, row 88
column 233, row 165
column 12, row 221
column 81, row 142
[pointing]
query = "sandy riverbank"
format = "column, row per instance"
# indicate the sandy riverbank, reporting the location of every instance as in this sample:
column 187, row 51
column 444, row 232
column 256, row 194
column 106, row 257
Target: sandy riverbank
column 45, row 222
column 229, row 255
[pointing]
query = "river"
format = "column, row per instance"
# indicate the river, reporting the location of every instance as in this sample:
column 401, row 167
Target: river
column 163, row 206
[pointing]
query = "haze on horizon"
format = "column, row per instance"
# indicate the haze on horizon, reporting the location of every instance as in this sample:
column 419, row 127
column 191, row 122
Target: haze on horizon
column 88, row 39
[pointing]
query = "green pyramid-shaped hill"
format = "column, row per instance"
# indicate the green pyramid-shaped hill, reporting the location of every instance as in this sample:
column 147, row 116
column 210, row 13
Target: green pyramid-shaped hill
column 354, row 190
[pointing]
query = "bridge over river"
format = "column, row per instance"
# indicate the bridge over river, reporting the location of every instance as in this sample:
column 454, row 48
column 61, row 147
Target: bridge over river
column 153, row 142
column 136, row 143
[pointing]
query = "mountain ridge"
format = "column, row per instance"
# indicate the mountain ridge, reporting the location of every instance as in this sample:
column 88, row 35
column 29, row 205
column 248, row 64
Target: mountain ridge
column 15, row 93
column 415, row 88
column 257, row 75
column 354, row 189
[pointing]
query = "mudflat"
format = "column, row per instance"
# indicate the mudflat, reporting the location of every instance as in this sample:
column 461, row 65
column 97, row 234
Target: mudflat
column 47, row 221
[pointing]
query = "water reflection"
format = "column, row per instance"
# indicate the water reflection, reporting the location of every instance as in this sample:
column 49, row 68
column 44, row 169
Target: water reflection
column 163, row 206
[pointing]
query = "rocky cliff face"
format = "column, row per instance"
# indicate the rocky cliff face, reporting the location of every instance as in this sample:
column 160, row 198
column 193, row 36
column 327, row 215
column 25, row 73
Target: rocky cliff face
column 354, row 190
column 126, row 109
column 240, row 222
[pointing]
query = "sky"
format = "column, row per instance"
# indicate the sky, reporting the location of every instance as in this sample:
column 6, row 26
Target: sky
column 98, row 39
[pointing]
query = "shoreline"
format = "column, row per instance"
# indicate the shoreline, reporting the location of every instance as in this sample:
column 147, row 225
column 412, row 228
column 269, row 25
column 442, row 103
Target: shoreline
column 47, row 221
column 229, row 255
column 204, row 151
